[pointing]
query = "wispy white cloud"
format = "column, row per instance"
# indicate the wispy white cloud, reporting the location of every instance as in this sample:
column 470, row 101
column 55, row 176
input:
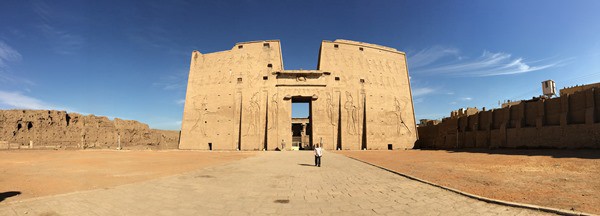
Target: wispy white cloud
column 64, row 42
column 488, row 64
column 430, row 55
column 466, row 99
column 152, row 35
column 61, row 40
column 8, row 54
column 42, row 9
column 180, row 101
column 176, row 81
column 17, row 100
column 418, row 92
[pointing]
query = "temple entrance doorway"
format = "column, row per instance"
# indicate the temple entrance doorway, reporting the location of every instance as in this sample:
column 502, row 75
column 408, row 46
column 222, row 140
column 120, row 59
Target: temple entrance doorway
column 302, row 123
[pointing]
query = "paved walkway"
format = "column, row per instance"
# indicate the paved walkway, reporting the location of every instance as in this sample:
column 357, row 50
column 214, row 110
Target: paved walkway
column 273, row 183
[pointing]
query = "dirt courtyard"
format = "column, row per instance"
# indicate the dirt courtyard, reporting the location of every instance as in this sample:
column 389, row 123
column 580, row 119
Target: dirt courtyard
column 566, row 179
column 36, row 173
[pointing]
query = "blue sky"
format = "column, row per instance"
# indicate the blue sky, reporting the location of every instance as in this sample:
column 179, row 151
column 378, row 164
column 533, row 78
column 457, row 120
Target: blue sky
column 130, row 59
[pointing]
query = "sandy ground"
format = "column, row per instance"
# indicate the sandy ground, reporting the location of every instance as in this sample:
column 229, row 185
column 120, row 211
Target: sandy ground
column 566, row 179
column 36, row 173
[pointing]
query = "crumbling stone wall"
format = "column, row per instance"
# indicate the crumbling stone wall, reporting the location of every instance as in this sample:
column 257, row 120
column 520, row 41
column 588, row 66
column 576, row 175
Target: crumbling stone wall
column 569, row 121
column 61, row 130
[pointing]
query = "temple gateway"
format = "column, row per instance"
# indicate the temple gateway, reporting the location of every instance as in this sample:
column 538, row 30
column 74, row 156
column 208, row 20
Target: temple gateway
column 359, row 97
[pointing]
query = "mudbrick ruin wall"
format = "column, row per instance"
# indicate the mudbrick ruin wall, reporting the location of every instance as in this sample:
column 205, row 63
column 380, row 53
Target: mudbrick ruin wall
column 569, row 121
column 41, row 129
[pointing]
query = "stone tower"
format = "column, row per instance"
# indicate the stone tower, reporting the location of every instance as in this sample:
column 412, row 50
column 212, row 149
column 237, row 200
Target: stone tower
column 359, row 98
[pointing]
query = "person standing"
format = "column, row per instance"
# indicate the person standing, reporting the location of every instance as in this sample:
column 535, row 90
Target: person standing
column 318, row 154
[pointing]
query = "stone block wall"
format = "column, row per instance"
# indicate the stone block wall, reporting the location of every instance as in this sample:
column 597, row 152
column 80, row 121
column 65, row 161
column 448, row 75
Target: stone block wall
column 569, row 121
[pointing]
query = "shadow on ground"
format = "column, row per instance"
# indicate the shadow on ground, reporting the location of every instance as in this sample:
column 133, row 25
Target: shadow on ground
column 555, row 153
column 306, row 164
column 8, row 194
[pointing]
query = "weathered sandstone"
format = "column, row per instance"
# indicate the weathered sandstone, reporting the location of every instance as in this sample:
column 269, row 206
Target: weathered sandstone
column 61, row 130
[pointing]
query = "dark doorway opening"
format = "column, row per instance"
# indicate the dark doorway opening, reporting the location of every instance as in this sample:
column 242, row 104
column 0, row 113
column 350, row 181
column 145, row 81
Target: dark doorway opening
column 210, row 146
column 302, row 123
column 390, row 147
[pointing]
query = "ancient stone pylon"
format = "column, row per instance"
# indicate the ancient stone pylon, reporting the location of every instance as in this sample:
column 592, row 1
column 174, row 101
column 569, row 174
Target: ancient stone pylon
column 360, row 98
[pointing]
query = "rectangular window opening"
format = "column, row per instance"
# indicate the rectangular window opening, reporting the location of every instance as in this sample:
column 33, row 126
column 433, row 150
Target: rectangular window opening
column 337, row 78
column 239, row 80
column 336, row 46
column 361, row 49
column 240, row 46
column 266, row 45
column 362, row 80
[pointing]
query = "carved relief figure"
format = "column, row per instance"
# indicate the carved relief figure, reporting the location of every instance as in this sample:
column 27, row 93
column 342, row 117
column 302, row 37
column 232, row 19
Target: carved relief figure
column 352, row 114
column 362, row 64
column 253, row 114
column 388, row 65
column 330, row 109
column 274, row 115
column 201, row 109
column 378, row 77
column 400, row 125
column 387, row 80
column 230, row 76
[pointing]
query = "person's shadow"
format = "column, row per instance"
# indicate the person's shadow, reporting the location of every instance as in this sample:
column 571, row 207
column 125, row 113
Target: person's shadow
column 8, row 194
column 306, row 164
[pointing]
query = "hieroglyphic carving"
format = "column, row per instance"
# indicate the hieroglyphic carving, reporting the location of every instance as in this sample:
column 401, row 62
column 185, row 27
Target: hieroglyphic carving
column 352, row 113
column 274, row 115
column 400, row 125
column 388, row 82
column 230, row 76
column 242, row 121
column 201, row 109
column 330, row 109
column 388, row 66
column 222, row 78
column 379, row 65
column 361, row 64
column 253, row 114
